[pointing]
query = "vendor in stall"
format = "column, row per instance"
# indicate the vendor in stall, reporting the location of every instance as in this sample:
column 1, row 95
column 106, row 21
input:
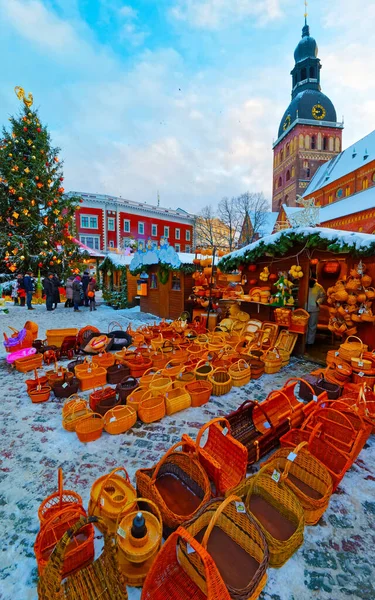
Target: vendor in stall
column 315, row 299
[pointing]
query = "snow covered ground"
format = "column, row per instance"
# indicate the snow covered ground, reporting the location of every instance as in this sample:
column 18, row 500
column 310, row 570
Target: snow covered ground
column 336, row 561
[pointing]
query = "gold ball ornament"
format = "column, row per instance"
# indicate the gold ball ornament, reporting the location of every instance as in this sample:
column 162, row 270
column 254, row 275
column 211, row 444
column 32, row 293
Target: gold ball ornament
column 33, row 157
column 22, row 257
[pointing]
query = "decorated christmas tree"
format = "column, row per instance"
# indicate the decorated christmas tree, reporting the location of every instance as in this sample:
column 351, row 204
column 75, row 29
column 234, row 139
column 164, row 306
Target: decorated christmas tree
column 36, row 218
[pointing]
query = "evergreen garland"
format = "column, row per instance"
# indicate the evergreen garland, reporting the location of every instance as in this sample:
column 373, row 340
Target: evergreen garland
column 286, row 242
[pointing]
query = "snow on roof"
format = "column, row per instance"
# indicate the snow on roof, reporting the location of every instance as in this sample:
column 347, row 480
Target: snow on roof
column 363, row 200
column 121, row 259
column 267, row 226
column 351, row 159
column 361, row 242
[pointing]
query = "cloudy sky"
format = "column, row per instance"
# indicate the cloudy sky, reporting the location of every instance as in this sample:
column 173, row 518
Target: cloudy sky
column 180, row 96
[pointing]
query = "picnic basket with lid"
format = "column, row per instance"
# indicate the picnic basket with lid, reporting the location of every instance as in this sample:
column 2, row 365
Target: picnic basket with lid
column 223, row 457
column 276, row 510
column 100, row 579
column 58, row 500
column 109, row 494
column 351, row 348
column 225, row 523
column 307, row 477
column 178, row 485
column 221, row 381
column 199, row 391
column 119, row 419
column 89, row 428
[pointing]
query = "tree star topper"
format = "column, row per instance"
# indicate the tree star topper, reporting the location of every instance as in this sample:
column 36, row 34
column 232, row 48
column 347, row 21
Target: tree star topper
column 20, row 93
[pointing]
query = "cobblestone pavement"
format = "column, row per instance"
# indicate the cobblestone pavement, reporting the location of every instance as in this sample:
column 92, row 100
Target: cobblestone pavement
column 336, row 561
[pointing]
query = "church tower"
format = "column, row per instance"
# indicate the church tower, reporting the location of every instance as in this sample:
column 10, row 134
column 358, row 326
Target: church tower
column 309, row 133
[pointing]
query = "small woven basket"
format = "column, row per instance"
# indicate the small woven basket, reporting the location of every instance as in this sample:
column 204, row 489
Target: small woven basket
column 90, row 428
column 151, row 409
column 221, row 382
column 240, row 373
column 119, row 419
column 200, row 392
column 176, row 399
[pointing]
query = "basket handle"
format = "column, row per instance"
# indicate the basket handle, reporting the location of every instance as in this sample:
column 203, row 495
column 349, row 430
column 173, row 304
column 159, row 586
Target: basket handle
column 114, row 324
column 163, row 459
column 207, row 425
column 283, row 394
column 169, row 366
column 216, row 515
column 272, row 349
column 289, row 462
column 60, row 482
column 108, row 478
column 202, row 362
column 300, row 380
column 241, row 361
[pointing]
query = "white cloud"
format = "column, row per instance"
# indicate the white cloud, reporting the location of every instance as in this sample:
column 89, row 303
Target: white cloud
column 128, row 12
column 217, row 14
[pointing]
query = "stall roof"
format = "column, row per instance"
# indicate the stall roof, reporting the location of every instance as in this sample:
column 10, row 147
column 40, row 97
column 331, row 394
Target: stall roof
column 121, row 260
column 277, row 244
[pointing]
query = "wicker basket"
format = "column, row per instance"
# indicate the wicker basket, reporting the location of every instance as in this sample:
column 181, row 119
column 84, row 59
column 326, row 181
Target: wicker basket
column 350, row 349
column 107, row 394
column 126, row 387
column 223, row 457
column 105, row 360
column 283, row 316
column 105, row 580
column 109, row 494
column 221, row 524
column 190, row 487
column 177, row 398
column 40, row 394
column 151, row 409
column 221, row 382
column 74, row 409
column 299, row 321
column 184, row 378
column 307, row 478
column 240, row 373
column 134, row 399
column 159, row 384
column 272, row 361
column 58, row 500
column 29, row 363
column 116, row 373
column 203, row 370
column 200, row 392
column 90, row 428
column 276, row 510
column 119, row 419
column 90, row 376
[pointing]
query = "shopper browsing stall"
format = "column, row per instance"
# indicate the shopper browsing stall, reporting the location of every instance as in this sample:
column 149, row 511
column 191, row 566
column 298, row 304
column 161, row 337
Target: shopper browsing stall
column 315, row 299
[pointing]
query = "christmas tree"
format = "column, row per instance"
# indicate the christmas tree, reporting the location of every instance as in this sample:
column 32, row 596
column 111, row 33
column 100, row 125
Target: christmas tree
column 36, row 218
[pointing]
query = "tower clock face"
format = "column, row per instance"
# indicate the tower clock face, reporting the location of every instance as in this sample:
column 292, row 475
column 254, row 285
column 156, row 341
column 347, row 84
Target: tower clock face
column 318, row 112
column 287, row 122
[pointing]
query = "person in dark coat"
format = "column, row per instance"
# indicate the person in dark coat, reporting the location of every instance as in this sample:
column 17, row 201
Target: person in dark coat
column 56, row 293
column 29, row 286
column 48, row 290
column 91, row 293
column 77, row 293
column 85, row 283
column 21, row 290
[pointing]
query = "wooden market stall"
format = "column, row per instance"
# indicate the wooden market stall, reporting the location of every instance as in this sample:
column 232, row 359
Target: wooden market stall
column 336, row 258
column 119, row 285
column 165, row 293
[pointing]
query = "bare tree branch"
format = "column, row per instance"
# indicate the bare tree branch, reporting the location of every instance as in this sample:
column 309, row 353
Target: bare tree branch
column 209, row 229
column 231, row 217
column 253, row 207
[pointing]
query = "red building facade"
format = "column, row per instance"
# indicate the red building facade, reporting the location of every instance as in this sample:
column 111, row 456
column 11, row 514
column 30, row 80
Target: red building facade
column 309, row 134
column 106, row 222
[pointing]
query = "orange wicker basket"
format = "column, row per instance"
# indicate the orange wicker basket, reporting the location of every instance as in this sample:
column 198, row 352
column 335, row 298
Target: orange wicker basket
column 58, row 500
column 184, row 378
column 40, row 394
column 200, row 392
column 151, row 409
column 120, row 419
column 167, row 580
column 90, row 376
column 134, row 399
column 223, row 457
column 81, row 549
column 90, row 428
column 299, row 321
column 221, row 382
column 29, row 363
column 159, row 384
column 74, row 409
column 109, row 494
column 104, row 360
column 240, row 372
column 177, row 398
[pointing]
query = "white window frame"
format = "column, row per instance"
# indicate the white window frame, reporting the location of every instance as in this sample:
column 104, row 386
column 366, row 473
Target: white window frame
column 89, row 218
column 125, row 222
column 111, row 220
column 177, row 233
column 141, row 223
column 166, row 231
column 187, row 249
column 154, row 228
column 177, row 247
column 187, row 235
column 96, row 240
